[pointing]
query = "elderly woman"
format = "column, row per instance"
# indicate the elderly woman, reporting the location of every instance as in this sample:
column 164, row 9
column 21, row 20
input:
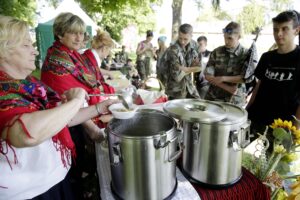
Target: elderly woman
column 64, row 68
column 101, row 47
column 35, row 143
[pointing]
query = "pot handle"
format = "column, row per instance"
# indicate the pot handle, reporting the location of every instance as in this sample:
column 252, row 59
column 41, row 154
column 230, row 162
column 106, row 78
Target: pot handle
column 196, row 132
column 245, row 137
column 116, row 152
column 233, row 140
column 176, row 154
column 246, row 134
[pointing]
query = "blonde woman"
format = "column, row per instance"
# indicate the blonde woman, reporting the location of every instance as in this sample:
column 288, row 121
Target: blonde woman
column 35, row 143
column 102, row 44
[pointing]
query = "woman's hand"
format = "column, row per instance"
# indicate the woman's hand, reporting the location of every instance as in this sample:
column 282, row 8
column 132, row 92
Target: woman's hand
column 75, row 93
column 105, row 118
column 103, row 105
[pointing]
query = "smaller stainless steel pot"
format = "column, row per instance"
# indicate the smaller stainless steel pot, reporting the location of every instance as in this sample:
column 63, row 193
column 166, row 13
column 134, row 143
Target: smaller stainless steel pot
column 143, row 153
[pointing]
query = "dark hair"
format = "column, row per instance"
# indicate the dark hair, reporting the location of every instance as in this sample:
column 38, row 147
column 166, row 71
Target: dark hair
column 234, row 26
column 185, row 29
column 298, row 18
column 202, row 38
column 286, row 16
column 149, row 33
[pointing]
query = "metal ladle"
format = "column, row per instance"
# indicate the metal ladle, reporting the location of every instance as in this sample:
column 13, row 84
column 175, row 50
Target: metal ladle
column 126, row 99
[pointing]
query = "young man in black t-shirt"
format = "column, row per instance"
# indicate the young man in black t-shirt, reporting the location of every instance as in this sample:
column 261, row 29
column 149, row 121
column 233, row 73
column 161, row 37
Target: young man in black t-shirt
column 277, row 93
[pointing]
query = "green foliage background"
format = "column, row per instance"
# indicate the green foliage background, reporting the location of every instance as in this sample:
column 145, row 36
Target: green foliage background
column 21, row 9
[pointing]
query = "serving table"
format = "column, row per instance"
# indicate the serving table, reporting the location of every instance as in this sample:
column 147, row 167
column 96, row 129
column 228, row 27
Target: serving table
column 247, row 188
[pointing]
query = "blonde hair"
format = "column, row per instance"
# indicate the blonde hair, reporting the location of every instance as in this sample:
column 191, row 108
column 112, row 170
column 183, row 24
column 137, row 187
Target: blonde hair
column 102, row 39
column 12, row 34
column 67, row 22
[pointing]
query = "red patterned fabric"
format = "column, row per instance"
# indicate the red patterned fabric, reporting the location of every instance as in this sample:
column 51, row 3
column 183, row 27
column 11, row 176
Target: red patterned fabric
column 64, row 69
column 248, row 188
column 89, row 57
column 26, row 96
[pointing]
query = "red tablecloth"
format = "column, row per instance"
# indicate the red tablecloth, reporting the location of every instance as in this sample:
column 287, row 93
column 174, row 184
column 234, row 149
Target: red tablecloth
column 248, row 188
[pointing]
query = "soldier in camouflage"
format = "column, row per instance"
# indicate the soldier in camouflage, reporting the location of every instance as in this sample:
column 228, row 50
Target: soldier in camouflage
column 182, row 60
column 225, row 70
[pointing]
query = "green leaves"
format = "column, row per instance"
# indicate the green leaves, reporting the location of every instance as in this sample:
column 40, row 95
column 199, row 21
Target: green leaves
column 283, row 137
column 20, row 9
column 117, row 15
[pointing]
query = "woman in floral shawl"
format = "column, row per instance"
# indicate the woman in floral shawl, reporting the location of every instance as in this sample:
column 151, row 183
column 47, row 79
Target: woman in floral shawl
column 101, row 46
column 65, row 68
column 35, row 143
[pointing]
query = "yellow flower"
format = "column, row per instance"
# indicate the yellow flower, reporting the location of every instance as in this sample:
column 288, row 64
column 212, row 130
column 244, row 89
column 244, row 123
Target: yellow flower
column 288, row 124
column 276, row 123
column 279, row 149
column 290, row 157
column 296, row 133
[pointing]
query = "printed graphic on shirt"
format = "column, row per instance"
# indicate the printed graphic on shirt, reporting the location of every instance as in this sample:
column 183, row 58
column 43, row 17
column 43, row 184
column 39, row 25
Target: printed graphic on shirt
column 280, row 74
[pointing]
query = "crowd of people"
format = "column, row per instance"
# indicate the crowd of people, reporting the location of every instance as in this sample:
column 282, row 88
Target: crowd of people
column 48, row 127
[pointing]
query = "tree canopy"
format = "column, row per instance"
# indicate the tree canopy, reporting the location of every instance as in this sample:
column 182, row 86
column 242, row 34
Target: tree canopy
column 21, row 9
column 114, row 17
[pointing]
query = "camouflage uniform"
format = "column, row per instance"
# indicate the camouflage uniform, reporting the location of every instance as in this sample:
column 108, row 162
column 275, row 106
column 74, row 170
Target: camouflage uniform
column 227, row 62
column 179, row 85
column 123, row 56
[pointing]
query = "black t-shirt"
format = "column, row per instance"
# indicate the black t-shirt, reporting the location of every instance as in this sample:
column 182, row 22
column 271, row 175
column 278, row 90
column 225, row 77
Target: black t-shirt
column 278, row 94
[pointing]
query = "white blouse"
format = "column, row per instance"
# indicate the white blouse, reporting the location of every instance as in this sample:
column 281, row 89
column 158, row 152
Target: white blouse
column 37, row 169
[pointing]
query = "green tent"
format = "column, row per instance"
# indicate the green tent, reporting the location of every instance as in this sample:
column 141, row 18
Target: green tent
column 45, row 38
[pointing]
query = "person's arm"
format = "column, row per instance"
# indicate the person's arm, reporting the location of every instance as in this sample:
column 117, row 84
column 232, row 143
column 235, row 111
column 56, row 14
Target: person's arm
column 95, row 133
column 254, row 93
column 140, row 50
column 87, row 113
column 231, row 79
column 189, row 70
column 175, row 67
column 214, row 81
column 42, row 125
column 106, row 72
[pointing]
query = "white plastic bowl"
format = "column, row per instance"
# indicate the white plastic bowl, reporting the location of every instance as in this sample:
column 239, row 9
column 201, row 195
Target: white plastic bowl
column 120, row 112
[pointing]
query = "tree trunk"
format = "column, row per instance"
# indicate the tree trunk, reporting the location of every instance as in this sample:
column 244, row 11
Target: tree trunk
column 177, row 14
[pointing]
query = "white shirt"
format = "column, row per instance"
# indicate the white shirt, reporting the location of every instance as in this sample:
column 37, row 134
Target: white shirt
column 37, row 169
column 97, row 58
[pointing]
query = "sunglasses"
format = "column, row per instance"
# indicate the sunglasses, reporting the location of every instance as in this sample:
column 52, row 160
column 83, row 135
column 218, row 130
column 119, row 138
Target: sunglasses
column 229, row 31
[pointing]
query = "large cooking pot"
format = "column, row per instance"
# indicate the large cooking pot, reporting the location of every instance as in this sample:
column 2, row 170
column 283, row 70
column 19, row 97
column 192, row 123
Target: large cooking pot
column 143, row 152
column 214, row 135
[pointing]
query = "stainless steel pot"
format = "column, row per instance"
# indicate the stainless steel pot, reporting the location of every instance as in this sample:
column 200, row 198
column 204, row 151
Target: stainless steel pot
column 142, row 152
column 213, row 144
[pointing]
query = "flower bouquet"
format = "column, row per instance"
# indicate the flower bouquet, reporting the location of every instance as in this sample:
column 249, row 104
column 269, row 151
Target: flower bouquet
column 272, row 167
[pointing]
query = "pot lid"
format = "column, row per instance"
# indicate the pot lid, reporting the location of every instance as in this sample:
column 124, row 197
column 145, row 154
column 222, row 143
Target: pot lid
column 235, row 114
column 195, row 110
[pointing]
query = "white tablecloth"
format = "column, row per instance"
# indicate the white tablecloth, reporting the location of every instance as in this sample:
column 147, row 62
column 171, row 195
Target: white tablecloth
column 185, row 190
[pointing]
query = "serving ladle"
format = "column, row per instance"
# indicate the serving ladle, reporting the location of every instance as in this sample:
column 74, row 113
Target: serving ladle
column 125, row 98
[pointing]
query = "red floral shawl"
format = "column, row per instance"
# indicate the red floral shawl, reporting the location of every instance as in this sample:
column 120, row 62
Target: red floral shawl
column 90, row 59
column 25, row 96
column 64, row 69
